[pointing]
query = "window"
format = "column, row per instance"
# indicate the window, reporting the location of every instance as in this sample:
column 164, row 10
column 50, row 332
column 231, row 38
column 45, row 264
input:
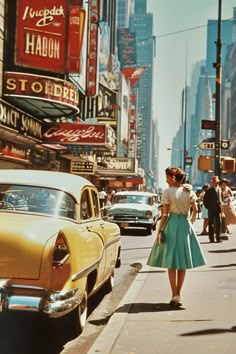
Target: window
column 95, row 204
column 85, row 206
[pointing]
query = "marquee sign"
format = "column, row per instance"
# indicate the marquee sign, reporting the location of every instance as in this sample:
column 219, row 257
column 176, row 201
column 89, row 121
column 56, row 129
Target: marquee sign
column 19, row 121
column 78, row 134
column 118, row 166
column 44, row 87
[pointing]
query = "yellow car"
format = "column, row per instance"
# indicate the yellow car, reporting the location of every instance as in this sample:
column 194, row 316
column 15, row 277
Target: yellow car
column 56, row 250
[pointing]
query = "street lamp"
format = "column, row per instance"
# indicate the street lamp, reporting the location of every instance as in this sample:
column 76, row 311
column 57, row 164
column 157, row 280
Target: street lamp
column 175, row 157
column 217, row 66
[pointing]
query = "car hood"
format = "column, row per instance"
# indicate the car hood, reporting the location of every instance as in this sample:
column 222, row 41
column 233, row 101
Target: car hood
column 129, row 208
column 23, row 239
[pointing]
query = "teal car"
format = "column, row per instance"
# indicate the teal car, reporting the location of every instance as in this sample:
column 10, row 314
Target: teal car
column 131, row 209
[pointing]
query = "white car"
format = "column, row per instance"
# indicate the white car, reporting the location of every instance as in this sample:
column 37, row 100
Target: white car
column 134, row 209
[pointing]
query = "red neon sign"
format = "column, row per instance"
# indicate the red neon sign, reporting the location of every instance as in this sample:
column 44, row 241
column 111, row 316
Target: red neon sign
column 76, row 33
column 92, row 61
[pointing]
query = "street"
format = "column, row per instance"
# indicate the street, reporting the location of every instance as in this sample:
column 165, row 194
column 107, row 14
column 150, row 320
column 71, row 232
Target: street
column 26, row 334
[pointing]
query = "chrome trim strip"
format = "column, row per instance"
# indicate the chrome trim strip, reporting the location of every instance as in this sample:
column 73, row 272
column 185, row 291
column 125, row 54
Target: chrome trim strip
column 87, row 270
column 93, row 266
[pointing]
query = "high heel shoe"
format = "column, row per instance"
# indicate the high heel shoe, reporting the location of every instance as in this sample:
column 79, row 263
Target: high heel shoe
column 175, row 301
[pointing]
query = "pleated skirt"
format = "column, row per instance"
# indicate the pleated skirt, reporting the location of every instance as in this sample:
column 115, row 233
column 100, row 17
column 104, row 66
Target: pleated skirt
column 180, row 248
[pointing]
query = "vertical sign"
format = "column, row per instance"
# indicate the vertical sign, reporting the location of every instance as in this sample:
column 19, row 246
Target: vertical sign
column 76, row 33
column 40, row 34
column 92, row 61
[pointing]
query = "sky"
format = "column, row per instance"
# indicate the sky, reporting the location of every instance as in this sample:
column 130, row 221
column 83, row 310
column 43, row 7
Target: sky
column 176, row 55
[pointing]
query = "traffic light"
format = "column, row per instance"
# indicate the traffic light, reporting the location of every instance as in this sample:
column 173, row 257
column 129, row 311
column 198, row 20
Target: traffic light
column 228, row 164
column 205, row 163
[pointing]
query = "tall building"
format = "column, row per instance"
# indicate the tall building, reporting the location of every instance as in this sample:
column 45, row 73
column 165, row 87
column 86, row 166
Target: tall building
column 211, row 48
column 204, row 111
column 125, row 8
column 141, row 23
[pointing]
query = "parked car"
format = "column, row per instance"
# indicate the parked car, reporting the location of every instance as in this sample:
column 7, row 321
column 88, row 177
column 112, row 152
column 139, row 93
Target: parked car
column 134, row 209
column 57, row 250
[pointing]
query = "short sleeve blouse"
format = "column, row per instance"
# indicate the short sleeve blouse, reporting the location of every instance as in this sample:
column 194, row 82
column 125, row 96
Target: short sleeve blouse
column 178, row 199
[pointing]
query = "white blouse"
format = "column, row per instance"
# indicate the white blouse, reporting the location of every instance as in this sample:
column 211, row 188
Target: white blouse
column 178, row 199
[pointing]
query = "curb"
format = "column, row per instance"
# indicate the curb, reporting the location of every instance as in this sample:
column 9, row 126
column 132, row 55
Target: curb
column 104, row 343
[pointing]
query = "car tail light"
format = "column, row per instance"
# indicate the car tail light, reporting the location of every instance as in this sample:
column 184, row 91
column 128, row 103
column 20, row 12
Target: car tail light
column 60, row 252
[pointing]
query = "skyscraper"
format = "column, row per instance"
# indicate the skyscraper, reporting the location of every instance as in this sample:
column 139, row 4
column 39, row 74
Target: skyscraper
column 141, row 23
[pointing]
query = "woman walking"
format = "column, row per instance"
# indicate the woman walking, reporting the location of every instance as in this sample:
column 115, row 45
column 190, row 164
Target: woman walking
column 176, row 247
column 204, row 214
column 227, row 204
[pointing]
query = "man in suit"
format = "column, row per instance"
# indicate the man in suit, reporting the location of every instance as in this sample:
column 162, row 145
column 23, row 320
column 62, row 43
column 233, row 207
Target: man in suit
column 212, row 200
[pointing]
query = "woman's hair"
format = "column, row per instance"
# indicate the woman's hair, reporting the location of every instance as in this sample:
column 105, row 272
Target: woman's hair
column 177, row 173
column 224, row 180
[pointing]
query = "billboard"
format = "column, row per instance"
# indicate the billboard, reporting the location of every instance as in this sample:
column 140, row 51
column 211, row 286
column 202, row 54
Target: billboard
column 40, row 34
column 126, row 47
column 49, row 35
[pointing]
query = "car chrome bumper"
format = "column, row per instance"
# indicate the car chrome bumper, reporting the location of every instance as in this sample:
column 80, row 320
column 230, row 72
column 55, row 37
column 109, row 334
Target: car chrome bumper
column 133, row 222
column 52, row 304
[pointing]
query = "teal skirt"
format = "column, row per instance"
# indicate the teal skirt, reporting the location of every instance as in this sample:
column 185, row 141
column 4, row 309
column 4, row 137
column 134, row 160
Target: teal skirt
column 180, row 248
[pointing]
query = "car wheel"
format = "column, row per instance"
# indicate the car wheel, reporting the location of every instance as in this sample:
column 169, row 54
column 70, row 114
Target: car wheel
column 109, row 284
column 83, row 311
column 78, row 317
column 149, row 230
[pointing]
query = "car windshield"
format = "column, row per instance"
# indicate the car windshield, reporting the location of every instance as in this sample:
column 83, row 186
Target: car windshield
column 140, row 199
column 36, row 200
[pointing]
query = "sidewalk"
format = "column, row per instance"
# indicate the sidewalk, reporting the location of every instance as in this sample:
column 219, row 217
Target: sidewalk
column 144, row 322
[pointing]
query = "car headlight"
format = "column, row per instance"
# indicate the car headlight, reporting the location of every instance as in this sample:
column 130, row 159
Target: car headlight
column 148, row 214
column 110, row 216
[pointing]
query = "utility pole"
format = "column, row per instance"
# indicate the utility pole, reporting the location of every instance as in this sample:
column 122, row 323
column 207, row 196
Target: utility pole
column 185, row 108
column 217, row 66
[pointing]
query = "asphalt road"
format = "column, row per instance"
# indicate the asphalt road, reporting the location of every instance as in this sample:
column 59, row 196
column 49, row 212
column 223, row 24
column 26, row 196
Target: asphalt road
column 26, row 333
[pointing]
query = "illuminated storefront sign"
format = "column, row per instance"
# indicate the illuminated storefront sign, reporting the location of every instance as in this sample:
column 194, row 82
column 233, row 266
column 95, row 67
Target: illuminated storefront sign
column 72, row 133
column 118, row 166
column 15, row 152
column 92, row 61
column 43, row 87
column 20, row 122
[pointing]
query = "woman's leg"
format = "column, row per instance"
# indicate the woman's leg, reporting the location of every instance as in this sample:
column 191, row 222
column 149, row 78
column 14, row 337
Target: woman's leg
column 181, row 276
column 172, row 274
column 205, row 224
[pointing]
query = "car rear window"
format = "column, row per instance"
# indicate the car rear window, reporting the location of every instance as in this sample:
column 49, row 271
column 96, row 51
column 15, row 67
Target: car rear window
column 38, row 200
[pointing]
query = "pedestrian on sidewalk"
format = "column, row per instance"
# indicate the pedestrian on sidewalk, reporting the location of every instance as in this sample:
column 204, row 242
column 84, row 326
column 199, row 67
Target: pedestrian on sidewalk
column 204, row 214
column 177, row 247
column 227, row 204
column 213, row 202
